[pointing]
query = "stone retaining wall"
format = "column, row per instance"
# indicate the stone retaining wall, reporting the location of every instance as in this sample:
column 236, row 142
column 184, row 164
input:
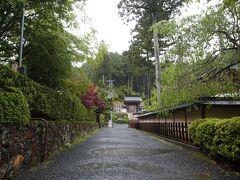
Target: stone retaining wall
column 23, row 146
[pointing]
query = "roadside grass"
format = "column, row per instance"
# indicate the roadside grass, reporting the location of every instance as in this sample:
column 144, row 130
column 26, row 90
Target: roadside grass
column 80, row 139
column 225, row 169
column 204, row 176
column 200, row 156
column 43, row 165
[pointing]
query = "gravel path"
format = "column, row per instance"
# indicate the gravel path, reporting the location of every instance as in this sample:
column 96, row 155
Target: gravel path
column 122, row 153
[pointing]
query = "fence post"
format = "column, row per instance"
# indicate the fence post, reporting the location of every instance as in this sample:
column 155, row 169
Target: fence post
column 167, row 126
column 187, row 138
column 179, row 129
column 162, row 129
column 183, row 132
column 174, row 133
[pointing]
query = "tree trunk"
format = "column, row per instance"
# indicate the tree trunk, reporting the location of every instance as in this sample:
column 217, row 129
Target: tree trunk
column 149, row 87
column 98, row 120
column 148, row 81
column 157, row 62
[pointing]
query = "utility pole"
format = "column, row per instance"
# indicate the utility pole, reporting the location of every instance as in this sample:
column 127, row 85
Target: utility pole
column 157, row 62
column 110, row 96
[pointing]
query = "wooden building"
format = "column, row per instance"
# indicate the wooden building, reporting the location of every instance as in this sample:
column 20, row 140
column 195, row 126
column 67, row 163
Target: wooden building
column 204, row 107
column 174, row 124
column 133, row 103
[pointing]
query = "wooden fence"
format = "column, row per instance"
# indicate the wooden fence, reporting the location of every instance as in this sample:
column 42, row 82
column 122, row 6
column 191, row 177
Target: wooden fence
column 176, row 131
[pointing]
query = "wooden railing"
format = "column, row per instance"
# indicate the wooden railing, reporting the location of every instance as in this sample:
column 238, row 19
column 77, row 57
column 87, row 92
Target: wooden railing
column 176, row 131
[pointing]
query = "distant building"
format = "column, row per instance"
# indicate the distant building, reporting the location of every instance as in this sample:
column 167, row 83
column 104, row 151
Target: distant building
column 133, row 104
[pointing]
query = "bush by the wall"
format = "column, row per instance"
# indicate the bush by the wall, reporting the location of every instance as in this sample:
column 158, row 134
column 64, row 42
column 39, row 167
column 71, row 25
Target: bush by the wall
column 205, row 132
column 45, row 102
column 227, row 138
column 218, row 136
column 193, row 127
column 13, row 108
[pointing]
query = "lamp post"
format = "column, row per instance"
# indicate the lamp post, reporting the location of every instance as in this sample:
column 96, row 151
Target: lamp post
column 20, row 55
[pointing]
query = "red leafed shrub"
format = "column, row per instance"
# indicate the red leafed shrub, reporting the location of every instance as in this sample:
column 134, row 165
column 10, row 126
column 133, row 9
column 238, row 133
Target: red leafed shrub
column 92, row 100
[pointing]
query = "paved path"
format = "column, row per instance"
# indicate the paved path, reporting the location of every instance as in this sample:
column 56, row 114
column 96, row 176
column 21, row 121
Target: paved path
column 122, row 153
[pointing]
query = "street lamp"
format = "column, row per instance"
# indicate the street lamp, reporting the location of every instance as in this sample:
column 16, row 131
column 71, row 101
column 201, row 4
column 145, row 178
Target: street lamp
column 20, row 67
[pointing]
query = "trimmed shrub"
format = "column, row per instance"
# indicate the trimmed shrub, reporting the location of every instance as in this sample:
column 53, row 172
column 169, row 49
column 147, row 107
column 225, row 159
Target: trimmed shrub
column 44, row 102
column 227, row 138
column 218, row 136
column 205, row 132
column 192, row 128
column 13, row 108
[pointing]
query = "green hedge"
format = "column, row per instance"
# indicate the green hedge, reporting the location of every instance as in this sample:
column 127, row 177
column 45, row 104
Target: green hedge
column 192, row 129
column 218, row 136
column 45, row 102
column 13, row 108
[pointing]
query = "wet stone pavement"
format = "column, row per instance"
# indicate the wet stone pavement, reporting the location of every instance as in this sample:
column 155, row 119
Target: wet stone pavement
column 122, row 153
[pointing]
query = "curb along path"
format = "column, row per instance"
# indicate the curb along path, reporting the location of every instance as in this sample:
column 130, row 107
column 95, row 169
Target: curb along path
column 122, row 153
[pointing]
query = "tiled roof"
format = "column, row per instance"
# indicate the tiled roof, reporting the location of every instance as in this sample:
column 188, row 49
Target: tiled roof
column 132, row 99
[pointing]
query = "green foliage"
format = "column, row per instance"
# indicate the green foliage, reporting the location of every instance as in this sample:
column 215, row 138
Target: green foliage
column 48, row 61
column 39, row 15
column 192, row 128
column 202, row 53
column 227, row 140
column 99, row 69
column 49, row 49
column 154, row 105
column 13, row 107
column 120, row 118
column 44, row 102
column 141, row 52
column 218, row 136
column 183, row 90
column 130, row 77
column 205, row 133
column 122, row 91
column 165, row 28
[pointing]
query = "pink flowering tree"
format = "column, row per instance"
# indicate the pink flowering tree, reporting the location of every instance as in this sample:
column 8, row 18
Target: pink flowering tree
column 92, row 100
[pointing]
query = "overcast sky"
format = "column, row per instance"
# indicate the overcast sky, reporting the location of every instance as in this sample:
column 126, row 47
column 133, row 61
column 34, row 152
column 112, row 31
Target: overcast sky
column 110, row 27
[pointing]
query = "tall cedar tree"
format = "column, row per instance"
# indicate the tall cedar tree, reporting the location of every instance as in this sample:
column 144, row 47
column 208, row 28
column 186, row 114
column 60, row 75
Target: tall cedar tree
column 152, row 11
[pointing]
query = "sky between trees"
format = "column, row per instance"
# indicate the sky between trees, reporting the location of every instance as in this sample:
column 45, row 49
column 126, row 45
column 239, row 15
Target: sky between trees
column 105, row 20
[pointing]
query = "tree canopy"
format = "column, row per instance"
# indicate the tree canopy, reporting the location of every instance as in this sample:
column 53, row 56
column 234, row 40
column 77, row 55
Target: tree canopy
column 49, row 49
column 203, row 55
column 146, row 14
